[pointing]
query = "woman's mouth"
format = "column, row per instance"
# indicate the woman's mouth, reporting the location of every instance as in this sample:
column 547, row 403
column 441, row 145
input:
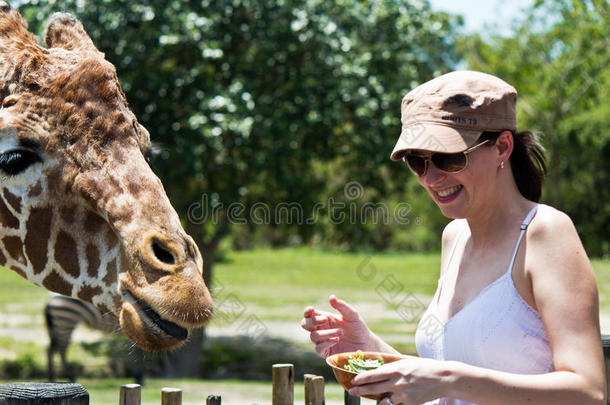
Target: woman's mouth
column 448, row 194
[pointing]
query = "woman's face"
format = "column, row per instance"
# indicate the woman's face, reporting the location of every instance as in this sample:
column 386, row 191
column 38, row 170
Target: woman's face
column 462, row 194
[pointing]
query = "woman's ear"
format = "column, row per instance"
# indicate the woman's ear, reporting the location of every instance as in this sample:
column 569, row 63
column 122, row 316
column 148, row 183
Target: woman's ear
column 504, row 146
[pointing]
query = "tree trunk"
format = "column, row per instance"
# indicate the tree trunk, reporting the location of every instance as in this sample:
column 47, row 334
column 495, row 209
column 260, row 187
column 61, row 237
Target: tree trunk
column 186, row 361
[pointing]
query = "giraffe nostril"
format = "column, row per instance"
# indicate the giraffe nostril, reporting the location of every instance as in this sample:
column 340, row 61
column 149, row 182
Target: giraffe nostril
column 162, row 253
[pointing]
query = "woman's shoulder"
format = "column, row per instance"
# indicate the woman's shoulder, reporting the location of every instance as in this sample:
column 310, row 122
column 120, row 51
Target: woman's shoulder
column 552, row 236
column 550, row 224
column 451, row 231
column 555, row 258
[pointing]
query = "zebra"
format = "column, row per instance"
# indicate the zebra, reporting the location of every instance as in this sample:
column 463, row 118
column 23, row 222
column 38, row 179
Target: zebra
column 62, row 315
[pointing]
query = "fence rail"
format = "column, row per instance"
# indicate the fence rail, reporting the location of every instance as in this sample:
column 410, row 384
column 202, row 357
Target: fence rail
column 131, row 394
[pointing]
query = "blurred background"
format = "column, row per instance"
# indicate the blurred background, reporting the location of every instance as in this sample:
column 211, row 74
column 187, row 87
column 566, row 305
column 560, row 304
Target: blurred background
column 273, row 122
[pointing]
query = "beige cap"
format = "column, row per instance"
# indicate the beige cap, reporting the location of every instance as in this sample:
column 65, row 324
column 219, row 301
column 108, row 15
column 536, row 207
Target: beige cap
column 449, row 113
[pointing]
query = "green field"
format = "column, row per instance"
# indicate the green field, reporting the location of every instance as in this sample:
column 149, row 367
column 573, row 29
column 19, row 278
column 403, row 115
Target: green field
column 275, row 285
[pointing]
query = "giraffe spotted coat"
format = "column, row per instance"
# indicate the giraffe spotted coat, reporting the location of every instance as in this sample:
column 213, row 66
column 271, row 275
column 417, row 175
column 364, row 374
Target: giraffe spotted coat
column 81, row 212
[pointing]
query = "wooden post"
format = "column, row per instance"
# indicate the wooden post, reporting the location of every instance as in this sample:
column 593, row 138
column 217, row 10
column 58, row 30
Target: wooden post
column 43, row 393
column 283, row 384
column 213, row 400
column 131, row 394
column 314, row 389
column 350, row 400
column 171, row 396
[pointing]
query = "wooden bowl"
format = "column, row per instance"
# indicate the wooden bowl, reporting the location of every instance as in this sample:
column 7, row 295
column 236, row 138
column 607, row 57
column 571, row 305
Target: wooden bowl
column 344, row 377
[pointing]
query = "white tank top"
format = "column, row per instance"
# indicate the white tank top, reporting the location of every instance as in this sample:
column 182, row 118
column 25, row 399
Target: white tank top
column 496, row 330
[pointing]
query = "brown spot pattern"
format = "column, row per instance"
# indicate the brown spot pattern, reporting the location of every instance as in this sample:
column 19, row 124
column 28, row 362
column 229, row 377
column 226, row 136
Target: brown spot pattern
column 13, row 200
column 93, row 260
column 14, row 248
column 55, row 282
column 105, row 309
column 2, row 259
column 35, row 191
column 54, row 180
column 66, row 254
column 111, row 238
column 93, row 223
column 134, row 188
column 38, row 230
column 7, row 219
column 111, row 273
column 87, row 292
column 68, row 214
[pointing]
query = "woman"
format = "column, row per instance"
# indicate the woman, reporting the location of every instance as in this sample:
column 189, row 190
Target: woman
column 517, row 299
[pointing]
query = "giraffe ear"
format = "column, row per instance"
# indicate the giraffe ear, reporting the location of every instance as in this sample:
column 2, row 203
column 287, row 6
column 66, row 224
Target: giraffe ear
column 13, row 30
column 20, row 54
column 65, row 31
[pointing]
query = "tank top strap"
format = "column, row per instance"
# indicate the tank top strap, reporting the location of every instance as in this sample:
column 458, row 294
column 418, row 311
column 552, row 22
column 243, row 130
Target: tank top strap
column 447, row 263
column 524, row 226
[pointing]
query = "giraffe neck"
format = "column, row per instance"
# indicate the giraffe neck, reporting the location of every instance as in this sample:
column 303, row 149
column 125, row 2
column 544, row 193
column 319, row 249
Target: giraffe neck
column 66, row 248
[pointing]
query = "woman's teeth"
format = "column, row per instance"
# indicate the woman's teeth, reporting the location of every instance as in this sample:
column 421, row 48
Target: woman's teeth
column 449, row 191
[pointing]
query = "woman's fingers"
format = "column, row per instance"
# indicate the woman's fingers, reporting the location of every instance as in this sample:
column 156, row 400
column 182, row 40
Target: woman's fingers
column 349, row 313
column 309, row 312
column 323, row 349
column 320, row 336
column 315, row 320
column 370, row 383
column 370, row 389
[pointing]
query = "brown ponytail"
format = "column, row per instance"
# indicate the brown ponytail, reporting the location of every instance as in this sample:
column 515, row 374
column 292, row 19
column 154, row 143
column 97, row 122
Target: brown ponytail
column 528, row 162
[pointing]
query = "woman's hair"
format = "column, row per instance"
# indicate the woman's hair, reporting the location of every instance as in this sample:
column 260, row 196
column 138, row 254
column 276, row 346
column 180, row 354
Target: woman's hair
column 527, row 161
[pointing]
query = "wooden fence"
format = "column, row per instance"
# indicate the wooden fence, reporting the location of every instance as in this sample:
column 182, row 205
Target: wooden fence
column 130, row 394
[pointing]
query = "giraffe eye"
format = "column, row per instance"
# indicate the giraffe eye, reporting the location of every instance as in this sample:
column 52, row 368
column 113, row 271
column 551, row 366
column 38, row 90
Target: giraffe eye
column 15, row 161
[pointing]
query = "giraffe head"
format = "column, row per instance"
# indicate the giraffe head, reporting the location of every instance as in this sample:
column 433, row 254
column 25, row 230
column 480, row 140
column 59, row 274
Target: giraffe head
column 81, row 212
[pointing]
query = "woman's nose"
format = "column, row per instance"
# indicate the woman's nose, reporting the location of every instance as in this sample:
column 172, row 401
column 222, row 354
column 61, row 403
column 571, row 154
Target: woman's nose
column 433, row 175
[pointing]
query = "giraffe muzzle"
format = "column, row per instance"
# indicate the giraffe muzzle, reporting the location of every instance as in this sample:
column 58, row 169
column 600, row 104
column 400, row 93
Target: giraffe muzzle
column 147, row 328
column 166, row 326
column 163, row 294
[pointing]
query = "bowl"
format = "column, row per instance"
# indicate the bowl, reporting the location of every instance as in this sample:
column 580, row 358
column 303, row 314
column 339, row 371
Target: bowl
column 344, row 377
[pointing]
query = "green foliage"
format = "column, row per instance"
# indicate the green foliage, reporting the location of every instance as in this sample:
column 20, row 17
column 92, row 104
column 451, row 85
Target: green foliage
column 26, row 362
column 264, row 102
column 252, row 359
column 559, row 62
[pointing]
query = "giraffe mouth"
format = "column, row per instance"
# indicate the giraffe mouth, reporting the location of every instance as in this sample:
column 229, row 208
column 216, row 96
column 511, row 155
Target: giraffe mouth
column 154, row 320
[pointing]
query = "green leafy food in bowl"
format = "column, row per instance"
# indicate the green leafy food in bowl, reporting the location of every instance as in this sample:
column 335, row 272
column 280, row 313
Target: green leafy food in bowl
column 357, row 363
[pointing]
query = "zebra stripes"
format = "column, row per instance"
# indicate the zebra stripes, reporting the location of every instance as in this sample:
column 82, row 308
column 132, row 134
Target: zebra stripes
column 62, row 316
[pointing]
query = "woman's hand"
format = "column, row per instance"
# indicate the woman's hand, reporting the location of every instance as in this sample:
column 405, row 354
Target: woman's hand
column 337, row 333
column 412, row 381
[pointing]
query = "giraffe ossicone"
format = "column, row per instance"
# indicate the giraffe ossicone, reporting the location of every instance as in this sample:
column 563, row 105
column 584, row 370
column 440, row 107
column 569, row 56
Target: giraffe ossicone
column 81, row 212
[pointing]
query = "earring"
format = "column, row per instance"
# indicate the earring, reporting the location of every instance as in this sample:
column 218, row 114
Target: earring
column 502, row 165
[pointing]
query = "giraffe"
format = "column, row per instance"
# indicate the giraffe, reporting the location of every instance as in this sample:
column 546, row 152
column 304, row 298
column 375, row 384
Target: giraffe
column 81, row 212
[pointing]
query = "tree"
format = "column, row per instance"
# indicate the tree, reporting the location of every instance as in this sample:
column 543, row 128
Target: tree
column 558, row 60
column 251, row 101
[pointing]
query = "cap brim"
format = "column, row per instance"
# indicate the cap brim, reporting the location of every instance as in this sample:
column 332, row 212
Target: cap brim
column 434, row 138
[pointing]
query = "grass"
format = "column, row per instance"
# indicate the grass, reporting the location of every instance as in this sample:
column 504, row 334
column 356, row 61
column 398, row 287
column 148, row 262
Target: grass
column 277, row 284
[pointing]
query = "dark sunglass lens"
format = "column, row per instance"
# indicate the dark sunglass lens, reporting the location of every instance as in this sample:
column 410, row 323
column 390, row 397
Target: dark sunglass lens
column 416, row 163
column 449, row 162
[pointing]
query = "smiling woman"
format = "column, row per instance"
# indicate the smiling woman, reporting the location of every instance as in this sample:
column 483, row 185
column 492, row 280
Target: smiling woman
column 515, row 315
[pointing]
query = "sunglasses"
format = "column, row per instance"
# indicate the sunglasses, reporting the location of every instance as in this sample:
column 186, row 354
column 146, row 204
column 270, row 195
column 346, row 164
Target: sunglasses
column 446, row 162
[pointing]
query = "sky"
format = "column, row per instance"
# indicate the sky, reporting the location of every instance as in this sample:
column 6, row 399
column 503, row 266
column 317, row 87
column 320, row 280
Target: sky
column 478, row 14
